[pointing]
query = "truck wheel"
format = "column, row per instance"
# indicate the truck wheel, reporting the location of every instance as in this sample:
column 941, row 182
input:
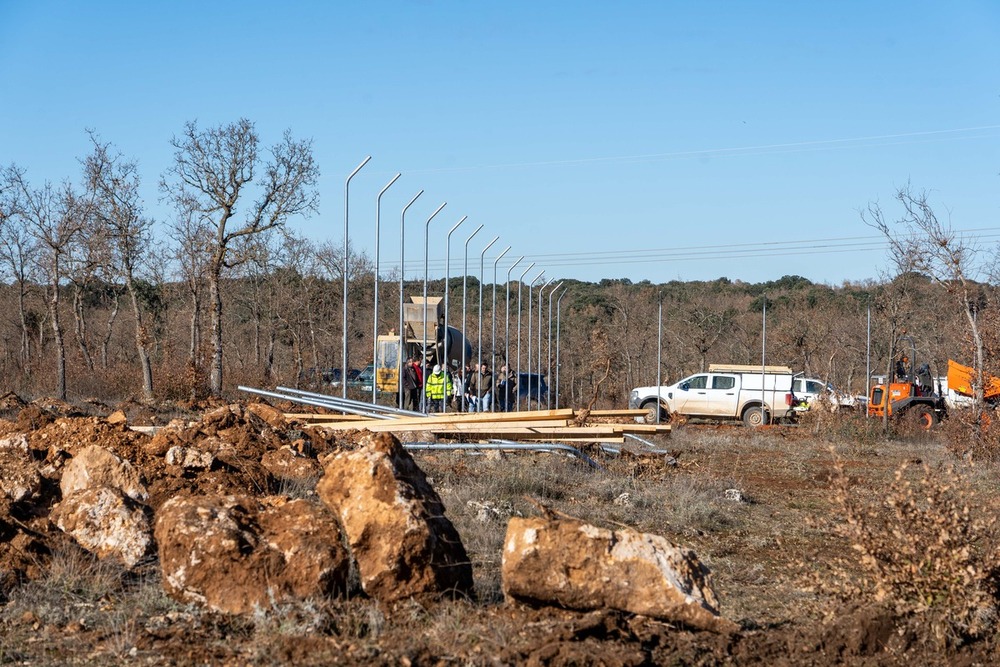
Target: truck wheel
column 924, row 417
column 650, row 417
column 752, row 416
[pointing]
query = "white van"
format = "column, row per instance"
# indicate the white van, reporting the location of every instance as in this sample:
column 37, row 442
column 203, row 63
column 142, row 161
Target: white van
column 724, row 392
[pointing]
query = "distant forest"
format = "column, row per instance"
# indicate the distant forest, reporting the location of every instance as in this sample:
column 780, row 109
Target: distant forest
column 96, row 304
column 281, row 323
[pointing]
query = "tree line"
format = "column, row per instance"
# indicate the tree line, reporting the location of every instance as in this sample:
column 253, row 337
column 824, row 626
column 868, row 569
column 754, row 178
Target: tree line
column 96, row 306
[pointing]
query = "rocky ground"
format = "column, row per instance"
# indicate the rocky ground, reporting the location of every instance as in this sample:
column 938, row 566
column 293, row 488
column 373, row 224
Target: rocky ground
column 232, row 536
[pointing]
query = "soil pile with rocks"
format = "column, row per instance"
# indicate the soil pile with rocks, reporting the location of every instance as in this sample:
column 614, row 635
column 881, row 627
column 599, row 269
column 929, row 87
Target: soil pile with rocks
column 241, row 515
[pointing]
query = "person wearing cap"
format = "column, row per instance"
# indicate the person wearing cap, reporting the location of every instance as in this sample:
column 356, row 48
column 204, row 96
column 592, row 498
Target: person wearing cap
column 438, row 386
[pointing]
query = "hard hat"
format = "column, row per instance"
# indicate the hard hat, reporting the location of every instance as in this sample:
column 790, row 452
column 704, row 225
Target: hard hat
column 437, row 368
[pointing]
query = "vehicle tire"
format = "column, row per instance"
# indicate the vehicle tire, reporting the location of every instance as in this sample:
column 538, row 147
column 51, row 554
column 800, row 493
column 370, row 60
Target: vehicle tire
column 650, row 417
column 752, row 416
column 923, row 416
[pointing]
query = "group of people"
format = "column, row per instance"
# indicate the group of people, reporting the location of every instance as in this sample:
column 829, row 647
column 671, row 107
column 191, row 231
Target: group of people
column 472, row 389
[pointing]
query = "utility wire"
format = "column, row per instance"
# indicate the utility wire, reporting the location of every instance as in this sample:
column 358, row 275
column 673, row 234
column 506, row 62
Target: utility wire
column 823, row 246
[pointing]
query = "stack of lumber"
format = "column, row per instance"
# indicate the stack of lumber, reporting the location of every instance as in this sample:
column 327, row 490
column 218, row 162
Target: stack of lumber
column 565, row 425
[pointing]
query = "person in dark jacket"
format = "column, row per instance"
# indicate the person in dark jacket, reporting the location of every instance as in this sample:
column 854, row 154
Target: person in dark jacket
column 480, row 389
column 506, row 391
column 411, row 385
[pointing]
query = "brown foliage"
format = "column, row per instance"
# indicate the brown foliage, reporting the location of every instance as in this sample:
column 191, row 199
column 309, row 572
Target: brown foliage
column 974, row 436
column 925, row 547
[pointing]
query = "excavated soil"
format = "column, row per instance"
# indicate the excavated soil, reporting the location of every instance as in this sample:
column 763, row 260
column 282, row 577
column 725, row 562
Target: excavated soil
column 62, row 606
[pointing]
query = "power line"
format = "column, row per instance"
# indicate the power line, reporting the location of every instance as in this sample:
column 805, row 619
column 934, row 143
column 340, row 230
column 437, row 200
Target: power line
column 794, row 146
column 822, row 246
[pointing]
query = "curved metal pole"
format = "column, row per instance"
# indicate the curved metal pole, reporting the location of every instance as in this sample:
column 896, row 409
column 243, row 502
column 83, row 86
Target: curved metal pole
column 402, row 325
column 427, row 230
column 548, row 373
column 482, row 257
column 506, row 319
column 347, row 188
column 538, row 382
column 558, row 322
column 527, row 398
column 378, row 215
column 465, row 287
column 447, row 280
column 493, row 332
column 517, row 395
column 659, row 353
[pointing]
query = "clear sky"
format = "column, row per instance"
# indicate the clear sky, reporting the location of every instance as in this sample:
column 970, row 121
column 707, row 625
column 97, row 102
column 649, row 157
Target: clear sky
column 650, row 140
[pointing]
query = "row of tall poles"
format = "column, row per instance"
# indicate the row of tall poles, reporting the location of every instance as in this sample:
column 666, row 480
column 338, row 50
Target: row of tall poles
column 446, row 338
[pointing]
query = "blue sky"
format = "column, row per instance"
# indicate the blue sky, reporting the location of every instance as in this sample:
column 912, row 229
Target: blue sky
column 643, row 140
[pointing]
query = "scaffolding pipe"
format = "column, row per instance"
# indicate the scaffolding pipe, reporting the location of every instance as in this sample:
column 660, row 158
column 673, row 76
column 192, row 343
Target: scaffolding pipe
column 334, row 400
column 315, row 402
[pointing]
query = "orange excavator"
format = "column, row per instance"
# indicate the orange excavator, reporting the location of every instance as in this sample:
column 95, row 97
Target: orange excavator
column 909, row 394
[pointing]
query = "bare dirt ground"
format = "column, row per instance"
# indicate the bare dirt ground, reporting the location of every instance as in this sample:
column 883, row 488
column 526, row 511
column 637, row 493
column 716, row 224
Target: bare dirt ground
column 759, row 507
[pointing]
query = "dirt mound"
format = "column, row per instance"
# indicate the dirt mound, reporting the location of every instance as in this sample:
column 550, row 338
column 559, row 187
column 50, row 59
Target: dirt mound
column 11, row 403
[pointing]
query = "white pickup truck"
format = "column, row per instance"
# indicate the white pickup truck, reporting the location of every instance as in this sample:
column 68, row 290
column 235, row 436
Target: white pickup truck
column 724, row 392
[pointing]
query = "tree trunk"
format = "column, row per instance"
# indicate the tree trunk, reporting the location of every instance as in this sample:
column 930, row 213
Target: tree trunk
column 215, row 374
column 269, row 357
column 25, row 336
column 112, row 318
column 81, row 327
column 141, row 341
column 57, row 336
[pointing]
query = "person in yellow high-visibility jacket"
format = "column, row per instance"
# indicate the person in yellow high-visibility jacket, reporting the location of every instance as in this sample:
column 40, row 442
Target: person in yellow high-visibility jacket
column 438, row 386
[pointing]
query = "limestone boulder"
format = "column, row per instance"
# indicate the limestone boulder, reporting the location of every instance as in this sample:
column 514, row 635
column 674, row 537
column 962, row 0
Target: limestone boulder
column 94, row 467
column 117, row 417
column 402, row 542
column 189, row 458
column 290, row 467
column 234, row 554
column 274, row 417
column 21, row 476
column 105, row 522
column 568, row 563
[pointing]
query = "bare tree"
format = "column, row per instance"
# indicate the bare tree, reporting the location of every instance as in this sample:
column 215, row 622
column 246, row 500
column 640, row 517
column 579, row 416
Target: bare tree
column 192, row 254
column 706, row 326
column 115, row 181
column 17, row 248
column 214, row 172
column 86, row 257
column 54, row 218
column 925, row 244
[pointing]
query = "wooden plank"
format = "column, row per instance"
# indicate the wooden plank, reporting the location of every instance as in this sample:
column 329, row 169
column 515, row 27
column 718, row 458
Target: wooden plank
column 429, row 421
column 559, row 441
column 542, row 432
column 616, row 413
column 544, row 425
column 640, row 428
column 312, row 416
column 390, row 426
